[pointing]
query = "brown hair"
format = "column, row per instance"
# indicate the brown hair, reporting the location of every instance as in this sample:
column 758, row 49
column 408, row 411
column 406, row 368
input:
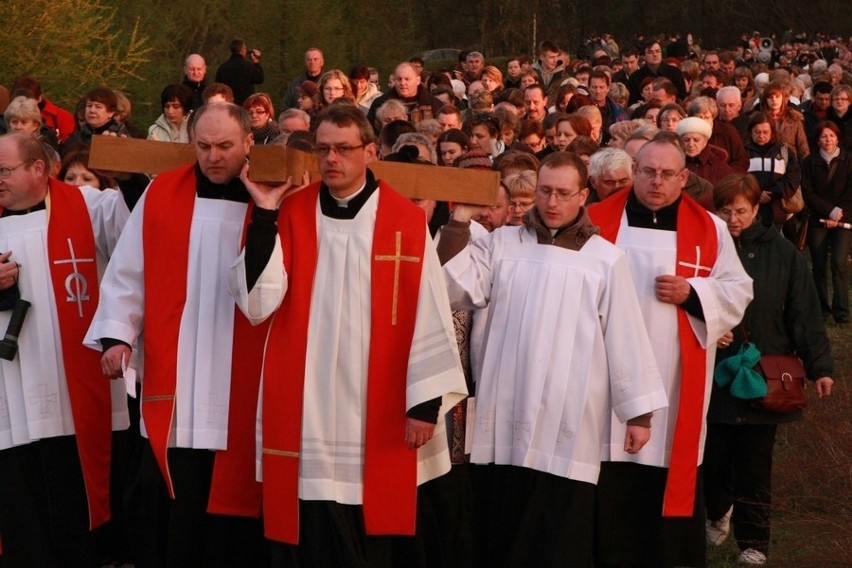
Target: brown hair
column 567, row 159
column 734, row 185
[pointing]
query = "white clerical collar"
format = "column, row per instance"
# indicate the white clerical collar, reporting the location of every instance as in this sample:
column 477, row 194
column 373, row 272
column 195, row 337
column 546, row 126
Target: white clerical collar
column 344, row 202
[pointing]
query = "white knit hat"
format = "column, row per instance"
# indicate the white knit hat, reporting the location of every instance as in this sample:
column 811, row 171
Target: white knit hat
column 696, row 125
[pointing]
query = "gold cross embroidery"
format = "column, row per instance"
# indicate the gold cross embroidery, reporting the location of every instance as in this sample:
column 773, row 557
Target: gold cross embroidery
column 396, row 258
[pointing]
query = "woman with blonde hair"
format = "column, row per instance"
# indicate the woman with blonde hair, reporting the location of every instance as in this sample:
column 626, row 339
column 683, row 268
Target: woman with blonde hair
column 23, row 116
column 521, row 188
column 593, row 114
column 333, row 85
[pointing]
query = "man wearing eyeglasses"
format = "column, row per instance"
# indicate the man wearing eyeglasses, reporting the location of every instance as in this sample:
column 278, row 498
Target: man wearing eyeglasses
column 692, row 289
column 56, row 417
column 361, row 360
column 564, row 346
column 166, row 289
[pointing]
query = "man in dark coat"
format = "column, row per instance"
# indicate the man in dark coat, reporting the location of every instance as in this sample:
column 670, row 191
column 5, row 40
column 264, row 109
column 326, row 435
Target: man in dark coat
column 194, row 71
column 654, row 67
column 241, row 73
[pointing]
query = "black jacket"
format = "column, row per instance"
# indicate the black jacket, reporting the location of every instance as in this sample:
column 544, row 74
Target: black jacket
column 423, row 98
column 241, row 75
column 197, row 91
column 673, row 74
column 784, row 317
column 820, row 197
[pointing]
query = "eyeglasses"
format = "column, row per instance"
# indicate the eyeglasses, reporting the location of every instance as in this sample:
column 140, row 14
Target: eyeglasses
column 840, row 99
column 520, row 204
column 560, row 195
column 323, row 150
column 738, row 213
column 257, row 112
column 621, row 182
column 651, row 173
column 328, row 89
column 6, row 173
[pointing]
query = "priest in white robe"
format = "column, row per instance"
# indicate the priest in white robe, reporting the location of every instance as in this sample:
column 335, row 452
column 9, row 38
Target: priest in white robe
column 166, row 289
column 361, row 360
column 564, row 346
column 692, row 289
column 56, row 410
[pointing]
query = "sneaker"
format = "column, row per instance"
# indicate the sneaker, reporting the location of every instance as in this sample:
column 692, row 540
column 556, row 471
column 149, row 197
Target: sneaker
column 717, row 531
column 752, row 557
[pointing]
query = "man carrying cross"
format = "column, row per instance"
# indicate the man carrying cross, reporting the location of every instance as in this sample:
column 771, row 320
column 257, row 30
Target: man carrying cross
column 692, row 288
column 56, row 413
column 361, row 358
column 165, row 290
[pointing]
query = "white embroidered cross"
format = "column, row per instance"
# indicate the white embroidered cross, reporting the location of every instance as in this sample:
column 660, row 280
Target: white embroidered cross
column 75, row 283
column 564, row 433
column 487, row 420
column 213, row 407
column 521, row 427
column 697, row 266
column 43, row 399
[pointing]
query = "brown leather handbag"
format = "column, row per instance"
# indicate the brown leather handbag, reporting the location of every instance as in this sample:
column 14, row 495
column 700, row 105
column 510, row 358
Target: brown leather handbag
column 785, row 384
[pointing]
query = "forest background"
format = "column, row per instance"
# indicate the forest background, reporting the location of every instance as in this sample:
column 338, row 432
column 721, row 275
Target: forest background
column 138, row 46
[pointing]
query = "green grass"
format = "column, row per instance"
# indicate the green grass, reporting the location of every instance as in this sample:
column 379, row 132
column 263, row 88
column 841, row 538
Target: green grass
column 812, row 479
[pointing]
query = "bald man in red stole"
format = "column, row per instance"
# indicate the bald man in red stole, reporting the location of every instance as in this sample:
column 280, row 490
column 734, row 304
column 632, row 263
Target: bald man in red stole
column 166, row 291
column 361, row 359
column 692, row 288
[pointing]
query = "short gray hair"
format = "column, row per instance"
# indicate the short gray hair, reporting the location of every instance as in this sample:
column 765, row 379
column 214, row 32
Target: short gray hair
column 703, row 104
column 726, row 90
column 609, row 160
column 23, row 108
column 412, row 138
column 388, row 107
column 295, row 113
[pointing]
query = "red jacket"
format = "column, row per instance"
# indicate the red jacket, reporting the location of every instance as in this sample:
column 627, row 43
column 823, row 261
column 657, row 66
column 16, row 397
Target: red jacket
column 711, row 164
column 58, row 119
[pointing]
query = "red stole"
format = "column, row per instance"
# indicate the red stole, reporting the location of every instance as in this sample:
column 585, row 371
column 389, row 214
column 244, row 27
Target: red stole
column 390, row 468
column 72, row 254
column 695, row 228
column 169, row 206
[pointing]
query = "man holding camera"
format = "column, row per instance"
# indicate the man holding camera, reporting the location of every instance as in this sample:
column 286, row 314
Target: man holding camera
column 242, row 71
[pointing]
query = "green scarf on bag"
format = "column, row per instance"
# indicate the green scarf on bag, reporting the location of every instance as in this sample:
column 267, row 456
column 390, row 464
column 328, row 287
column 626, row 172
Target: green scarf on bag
column 738, row 371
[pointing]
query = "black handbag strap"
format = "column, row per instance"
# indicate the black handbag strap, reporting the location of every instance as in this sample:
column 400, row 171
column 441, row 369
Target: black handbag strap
column 832, row 168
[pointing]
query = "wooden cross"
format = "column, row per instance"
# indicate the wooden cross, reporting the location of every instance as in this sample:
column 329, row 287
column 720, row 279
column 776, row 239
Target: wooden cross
column 274, row 164
column 396, row 258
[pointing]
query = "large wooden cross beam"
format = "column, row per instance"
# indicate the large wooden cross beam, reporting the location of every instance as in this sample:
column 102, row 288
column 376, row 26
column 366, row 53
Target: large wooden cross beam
column 274, row 164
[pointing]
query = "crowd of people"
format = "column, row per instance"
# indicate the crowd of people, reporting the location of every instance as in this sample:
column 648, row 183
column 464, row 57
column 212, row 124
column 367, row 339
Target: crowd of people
column 334, row 375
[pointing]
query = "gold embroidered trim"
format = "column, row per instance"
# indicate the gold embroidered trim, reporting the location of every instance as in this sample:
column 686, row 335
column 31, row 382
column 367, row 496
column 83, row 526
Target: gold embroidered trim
column 281, row 453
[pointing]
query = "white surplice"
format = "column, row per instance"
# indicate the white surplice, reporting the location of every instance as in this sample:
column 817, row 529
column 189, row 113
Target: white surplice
column 206, row 326
column 564, row 346
column 34, row 401
column 724, row 295
column 334, row 408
